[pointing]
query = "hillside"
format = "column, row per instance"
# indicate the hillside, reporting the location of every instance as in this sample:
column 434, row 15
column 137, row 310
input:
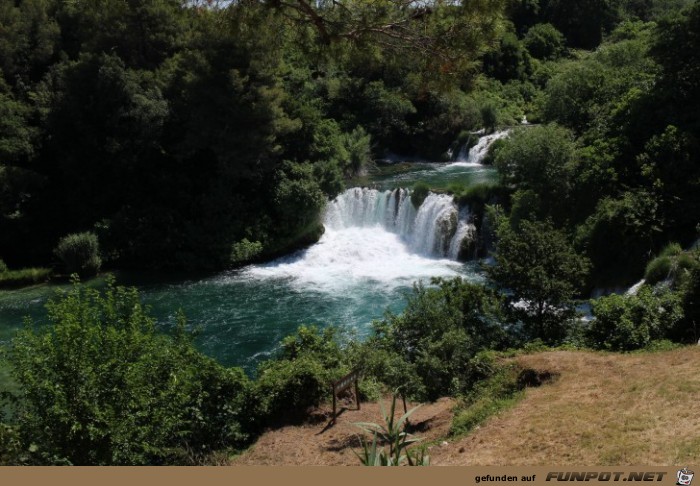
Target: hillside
column 602, row 409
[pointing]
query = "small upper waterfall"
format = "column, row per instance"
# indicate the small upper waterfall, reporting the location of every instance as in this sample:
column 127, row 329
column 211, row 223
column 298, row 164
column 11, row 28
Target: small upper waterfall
column 436, row 228
column 475, row 155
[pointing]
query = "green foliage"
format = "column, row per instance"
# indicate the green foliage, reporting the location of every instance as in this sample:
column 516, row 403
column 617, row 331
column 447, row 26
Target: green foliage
column 672, row 264
column 301, row 375
column 298, row 196
column 544, row 41
column 79, row 253
column 657, row 270
column 498, row 391
column 541, row 270
column 287, row 389
column 439, row 333
column 625, row 323
column 244, row 251
column 3, row 267
column 540, row 164
column 100, row 386
column 419, row 193
column 24, row 277
column 631, row 222
column 393, row 433
column 510, row 61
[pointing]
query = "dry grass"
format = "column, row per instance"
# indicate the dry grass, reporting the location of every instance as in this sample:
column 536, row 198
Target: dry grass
column 314, row 443
column 605, row 409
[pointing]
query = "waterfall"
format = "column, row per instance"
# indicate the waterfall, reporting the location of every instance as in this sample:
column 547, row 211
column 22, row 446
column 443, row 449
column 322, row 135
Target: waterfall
column 435, row 229
column 476, row 154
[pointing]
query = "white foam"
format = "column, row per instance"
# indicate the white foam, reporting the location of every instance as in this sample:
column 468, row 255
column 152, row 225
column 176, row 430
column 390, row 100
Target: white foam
column 348, row 257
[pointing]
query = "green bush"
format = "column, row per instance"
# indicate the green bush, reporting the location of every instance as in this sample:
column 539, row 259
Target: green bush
column 3, row 267
column 629, row 322
column 287, row 389
column 657, row 270
column 24, row 277
column 101, row 386
column 244, row 251
column 544, row 41
column 671, row 250
column 300, row 377
column 498, row 390
column 79, row 253
column 439, row 333
column 420, row 192
column 490, row 157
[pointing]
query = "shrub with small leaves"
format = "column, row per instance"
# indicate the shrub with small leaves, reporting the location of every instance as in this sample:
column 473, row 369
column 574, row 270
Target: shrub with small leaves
column 79, row 253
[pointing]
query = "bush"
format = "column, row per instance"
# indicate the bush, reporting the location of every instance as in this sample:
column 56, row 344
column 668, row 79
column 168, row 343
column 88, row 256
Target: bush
column 101, row 387
column 79, row 253
column 628, row 322
column 301, row 376
column 544, row 41
column 244, row 251
column 439, row 333
column 24, row 277
column 287, row 389
column 498, row 390
column 3, row 267
column 420, row 192
column 490, row 157
column 657, row 270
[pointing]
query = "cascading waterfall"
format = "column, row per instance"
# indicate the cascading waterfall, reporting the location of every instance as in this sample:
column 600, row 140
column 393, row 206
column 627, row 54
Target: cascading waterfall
column 435, row 229
column 475, row 155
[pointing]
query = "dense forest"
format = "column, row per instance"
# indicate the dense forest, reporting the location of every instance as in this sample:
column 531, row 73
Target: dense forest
column 196, row 137
column 200, row 135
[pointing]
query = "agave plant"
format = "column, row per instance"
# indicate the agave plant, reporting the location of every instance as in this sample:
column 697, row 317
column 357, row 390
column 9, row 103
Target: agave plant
column 392, row 432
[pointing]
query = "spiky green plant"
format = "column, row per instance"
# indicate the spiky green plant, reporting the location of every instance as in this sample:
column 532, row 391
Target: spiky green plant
column 393, row 433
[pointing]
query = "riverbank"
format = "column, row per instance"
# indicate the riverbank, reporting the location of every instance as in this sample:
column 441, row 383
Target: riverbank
column 601, row 409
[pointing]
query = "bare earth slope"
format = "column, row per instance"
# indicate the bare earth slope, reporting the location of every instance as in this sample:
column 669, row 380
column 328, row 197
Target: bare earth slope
column 603, row 409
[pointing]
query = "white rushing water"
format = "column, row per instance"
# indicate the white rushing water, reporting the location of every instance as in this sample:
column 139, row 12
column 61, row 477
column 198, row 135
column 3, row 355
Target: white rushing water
column 378, row 237
column 435, row 229
column 475, row 155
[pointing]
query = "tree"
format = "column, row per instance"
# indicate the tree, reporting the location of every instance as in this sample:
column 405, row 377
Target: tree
column 540, row 160
column 443, row 35
column 441, row 331
column 101, row 386
column 539, row 268
column 544, row 41
column 627, row 322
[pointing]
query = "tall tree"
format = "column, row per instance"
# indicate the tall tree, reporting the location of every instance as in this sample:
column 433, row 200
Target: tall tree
column 539, row 268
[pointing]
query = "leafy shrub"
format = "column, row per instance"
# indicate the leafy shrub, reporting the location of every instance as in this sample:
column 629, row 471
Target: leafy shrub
column 497, row 391
column 628, row 322
column 657, row 270
column 420, row 192
column 3, row 267
column 490, row 157
column 102, row 387
column 79, row 253
column 440, row 332
column 671, row 250
column 287, row 389
column 23, row 277
column 544, row 41
column 301, row 376
column 672, row 263
column 244, row 250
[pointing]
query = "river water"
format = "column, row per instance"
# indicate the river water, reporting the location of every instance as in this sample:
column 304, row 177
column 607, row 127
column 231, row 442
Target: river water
column 365, row 264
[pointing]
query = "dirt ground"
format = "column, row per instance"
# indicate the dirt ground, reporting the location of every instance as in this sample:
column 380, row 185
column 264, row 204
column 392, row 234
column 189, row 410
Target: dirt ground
column 320, row 443
column 602, row 409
